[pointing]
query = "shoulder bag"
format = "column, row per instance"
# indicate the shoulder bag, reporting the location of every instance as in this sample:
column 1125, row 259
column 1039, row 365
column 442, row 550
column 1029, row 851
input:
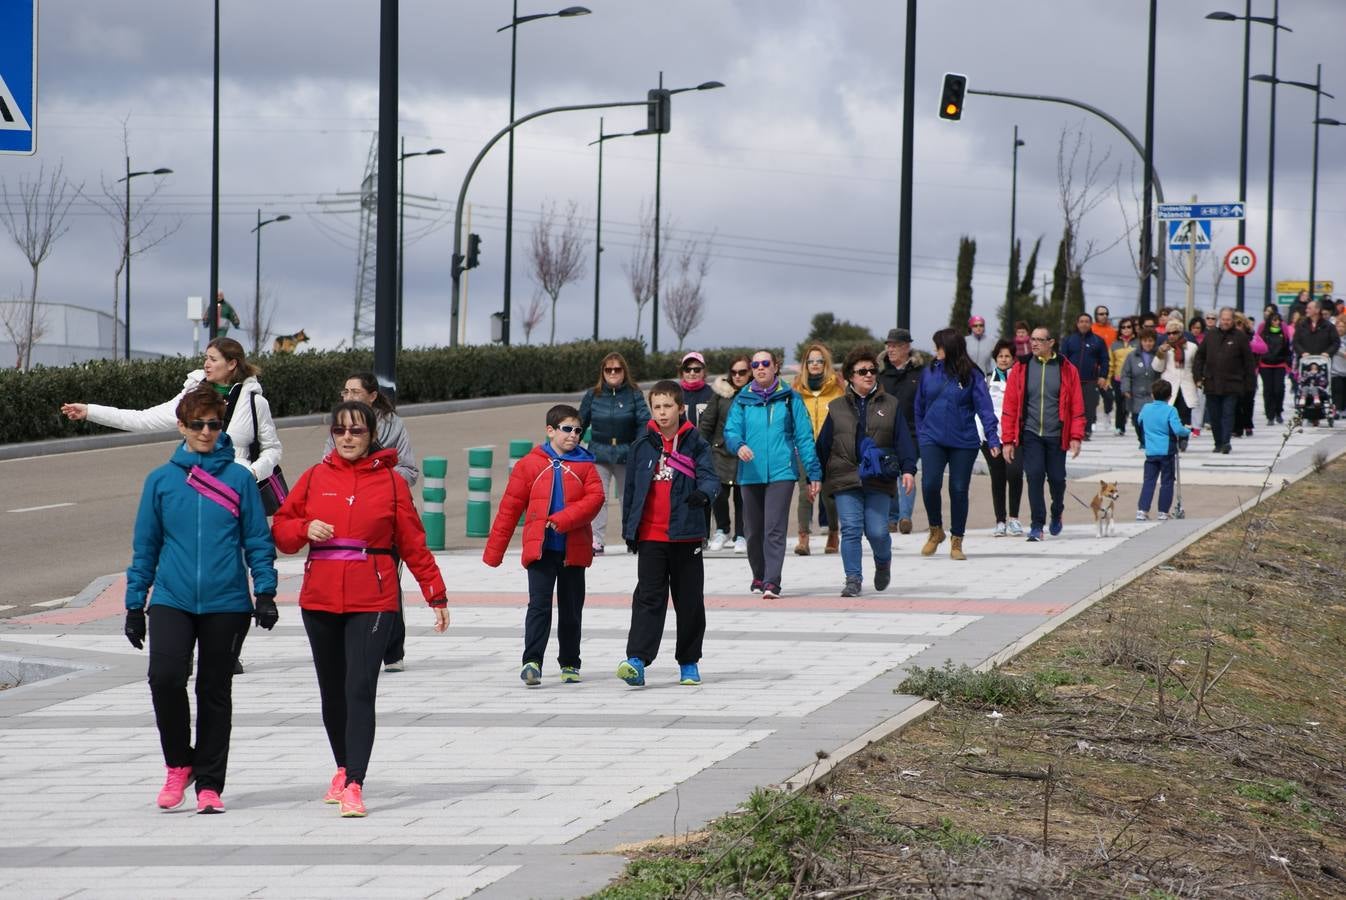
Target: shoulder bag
column 273, row 488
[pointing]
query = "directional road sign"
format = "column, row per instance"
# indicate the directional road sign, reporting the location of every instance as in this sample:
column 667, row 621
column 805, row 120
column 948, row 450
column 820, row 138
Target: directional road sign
column 1186, row 235
column 1240, row 260
column 18, row 76
column 1184, row 211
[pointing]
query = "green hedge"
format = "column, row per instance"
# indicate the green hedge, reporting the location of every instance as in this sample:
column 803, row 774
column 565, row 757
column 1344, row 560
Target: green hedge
column 305, row 382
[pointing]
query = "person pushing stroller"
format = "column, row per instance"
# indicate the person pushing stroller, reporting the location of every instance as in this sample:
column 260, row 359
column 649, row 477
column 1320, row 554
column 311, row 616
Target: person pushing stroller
column 1165, row 435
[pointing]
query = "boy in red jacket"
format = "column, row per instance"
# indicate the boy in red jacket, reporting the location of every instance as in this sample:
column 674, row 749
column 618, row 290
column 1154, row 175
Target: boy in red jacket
column 557, row 489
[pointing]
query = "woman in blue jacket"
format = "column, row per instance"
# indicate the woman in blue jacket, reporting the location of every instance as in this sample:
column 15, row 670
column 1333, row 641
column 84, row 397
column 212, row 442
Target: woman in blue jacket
column 770, row 432
column 616, row 414
column 952, row 395
column 199, row 532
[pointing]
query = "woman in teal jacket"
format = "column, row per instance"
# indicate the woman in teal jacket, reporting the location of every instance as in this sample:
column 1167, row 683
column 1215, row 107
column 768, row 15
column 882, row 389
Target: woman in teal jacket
column 615, row 413
column 770, row 432
column 199, row 531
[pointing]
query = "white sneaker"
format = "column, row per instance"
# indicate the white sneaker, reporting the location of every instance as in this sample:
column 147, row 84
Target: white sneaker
column 1142, row 517
column 1000, row 530
column 718, row 540
column 1163, row 517
column 740, row 545
column 1015, row 529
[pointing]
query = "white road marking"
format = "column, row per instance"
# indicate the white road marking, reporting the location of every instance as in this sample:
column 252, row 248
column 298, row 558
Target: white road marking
column 59, row 601
column 38, row 508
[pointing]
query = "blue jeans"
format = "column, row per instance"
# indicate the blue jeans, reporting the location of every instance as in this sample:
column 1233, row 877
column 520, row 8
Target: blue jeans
column 1043, row 459
column 864, row 512
column 902, row 504
column 1220, row 408
column 1157, row 468
column 934, row 458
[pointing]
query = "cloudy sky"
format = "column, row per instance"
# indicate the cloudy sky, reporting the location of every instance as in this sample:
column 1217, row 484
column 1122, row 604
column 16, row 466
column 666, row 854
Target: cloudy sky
column 793, row 168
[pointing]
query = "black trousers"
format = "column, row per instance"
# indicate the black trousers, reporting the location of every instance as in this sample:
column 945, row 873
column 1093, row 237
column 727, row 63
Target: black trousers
column 721, row 508
column 1005, row 478
column 1089, row 388
column 663, row 567
column 217, row 639
column 1339, row 393
column 1273, row 392
column 550, row 572
column 397, row 641
column 348, row 652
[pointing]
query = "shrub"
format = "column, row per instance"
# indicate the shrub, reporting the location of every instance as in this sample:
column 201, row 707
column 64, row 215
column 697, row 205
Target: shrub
column 963, row 686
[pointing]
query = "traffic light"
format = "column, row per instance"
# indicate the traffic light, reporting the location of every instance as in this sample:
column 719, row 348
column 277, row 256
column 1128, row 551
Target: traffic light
column 473, row 251
column 951, row 99
column 660, row 111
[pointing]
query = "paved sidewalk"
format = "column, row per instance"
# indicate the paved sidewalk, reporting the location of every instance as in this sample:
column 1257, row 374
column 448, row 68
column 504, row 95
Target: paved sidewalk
column 479, row 784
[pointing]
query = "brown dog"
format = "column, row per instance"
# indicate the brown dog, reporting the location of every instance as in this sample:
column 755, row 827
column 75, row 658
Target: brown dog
column 1104, row 506
column 288, row 343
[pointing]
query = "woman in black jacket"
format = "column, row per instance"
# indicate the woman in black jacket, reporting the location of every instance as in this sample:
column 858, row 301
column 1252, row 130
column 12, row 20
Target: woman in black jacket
column 711, row 425
column 1273, row 365
column 615, row 412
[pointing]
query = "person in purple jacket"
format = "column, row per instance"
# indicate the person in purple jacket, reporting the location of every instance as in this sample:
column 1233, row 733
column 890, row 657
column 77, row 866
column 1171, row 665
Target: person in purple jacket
column 951, row 396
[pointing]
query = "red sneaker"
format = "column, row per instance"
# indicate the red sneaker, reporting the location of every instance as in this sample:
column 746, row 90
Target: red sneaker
column 338, row 785
column 175, row 785
column 208, row 803
column 352, row 802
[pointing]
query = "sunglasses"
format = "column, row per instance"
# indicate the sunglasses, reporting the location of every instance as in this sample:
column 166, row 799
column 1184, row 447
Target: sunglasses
column 693, row 369
column 738, row 373
column 205, row 425
column 864, row 371
column 760, row 363
column 613, row 370
column 570, row 429
column 355, row 430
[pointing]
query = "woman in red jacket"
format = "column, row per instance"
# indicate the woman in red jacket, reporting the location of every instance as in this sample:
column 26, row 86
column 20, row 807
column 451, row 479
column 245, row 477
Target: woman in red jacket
column 357, row 516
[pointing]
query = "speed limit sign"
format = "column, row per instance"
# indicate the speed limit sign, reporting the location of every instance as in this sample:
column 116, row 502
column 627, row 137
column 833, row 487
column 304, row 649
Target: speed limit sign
column 1240, row 260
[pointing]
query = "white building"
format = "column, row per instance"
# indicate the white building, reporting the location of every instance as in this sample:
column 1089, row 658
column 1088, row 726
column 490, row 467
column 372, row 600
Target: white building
column 70, row 334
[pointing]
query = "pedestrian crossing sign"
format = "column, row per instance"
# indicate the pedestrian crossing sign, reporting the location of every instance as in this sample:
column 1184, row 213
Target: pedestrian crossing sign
column 18, row 77
column 1189, row 234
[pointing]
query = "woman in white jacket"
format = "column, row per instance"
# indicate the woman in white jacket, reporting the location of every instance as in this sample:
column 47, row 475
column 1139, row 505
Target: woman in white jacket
column 1173, row 362
column 235, row 379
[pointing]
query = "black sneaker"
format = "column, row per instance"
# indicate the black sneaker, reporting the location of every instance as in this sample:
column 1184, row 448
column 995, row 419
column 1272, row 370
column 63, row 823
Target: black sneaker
column 851, row 588
column 883, row 576
column 756, row 586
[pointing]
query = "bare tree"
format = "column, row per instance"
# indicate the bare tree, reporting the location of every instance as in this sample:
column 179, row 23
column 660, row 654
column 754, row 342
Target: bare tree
column 533, row 316
column 1080, row 190
column 135, row 230
column 557, row 253
column 685, row 297
column 640, row 270
column 1216, row 276
column 35, row 220
column 14, row 318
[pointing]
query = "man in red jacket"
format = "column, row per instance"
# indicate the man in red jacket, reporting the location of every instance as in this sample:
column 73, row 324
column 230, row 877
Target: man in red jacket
column 1042, row 418
column 557, row 490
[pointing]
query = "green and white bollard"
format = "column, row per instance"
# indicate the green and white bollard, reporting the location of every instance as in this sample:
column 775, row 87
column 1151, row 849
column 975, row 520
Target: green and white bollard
column 517, row 451
column 434, row 470
column 479, row 461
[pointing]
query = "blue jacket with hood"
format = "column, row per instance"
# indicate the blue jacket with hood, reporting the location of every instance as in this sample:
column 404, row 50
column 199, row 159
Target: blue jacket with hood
column 195, row 553
column 777, row 429
column 945, row 409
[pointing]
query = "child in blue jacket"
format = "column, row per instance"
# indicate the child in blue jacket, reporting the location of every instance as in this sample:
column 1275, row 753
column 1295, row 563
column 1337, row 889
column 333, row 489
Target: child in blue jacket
column 199, row 531
column 670, row 483
column 1163, row 432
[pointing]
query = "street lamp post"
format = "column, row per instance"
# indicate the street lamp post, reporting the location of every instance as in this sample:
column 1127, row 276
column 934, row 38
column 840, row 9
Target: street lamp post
column 513, row 27
column 598, row 217
column 402, row 158
column 212, row 305
column 257, row 289
column 1247, row 19
column 1319, row 94
column 1014, row 199
column 126, row 248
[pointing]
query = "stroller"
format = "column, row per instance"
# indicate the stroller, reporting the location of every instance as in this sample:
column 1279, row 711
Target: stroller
column 1313, row 395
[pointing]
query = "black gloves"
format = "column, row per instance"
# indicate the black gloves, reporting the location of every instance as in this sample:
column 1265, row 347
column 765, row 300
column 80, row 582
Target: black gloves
column 135, row 627
column 265, row 611
column 630, row 546
column 698, row 500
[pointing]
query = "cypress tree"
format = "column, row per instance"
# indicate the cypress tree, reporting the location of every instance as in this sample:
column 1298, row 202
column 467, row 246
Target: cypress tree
column 1060, row 277
column 962, row 294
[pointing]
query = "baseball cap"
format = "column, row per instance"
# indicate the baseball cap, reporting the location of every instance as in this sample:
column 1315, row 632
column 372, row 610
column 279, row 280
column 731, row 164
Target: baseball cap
column 693, row 355
column 898, row 336
column 976, row 320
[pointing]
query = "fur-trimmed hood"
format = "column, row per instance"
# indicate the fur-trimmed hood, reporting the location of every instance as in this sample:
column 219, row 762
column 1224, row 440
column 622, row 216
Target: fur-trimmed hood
column 723, row 387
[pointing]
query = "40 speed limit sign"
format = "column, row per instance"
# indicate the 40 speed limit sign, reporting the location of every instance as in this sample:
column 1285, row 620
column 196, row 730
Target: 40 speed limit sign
column 1240, row 260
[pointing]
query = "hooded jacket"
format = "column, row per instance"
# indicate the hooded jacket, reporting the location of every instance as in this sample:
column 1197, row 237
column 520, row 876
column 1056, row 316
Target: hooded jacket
column 647, row 458
column 193, row 551
column 164, row 417
column 945, row 409
column 615, row 419
column 1070, row 406
column 816, row 402
column 529, row 494
column 711, row 425
column 368, row 506
column 1138, row 378
column 392, row 434
column 776, row 429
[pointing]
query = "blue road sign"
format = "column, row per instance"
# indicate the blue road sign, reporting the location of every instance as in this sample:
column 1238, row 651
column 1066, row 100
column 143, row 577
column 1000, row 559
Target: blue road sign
column 1183, row 211
column 1182, row 234
column 18, row 76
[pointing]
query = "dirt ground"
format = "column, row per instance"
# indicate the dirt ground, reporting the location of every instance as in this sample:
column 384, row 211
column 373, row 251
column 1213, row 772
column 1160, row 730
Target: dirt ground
column 1182, row 738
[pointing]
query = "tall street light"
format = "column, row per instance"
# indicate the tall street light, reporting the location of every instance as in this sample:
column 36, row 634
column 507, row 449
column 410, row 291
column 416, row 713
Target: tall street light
column 257, row 290
column 1014, row 199
column 213, row 304
column 1319, row 94
column 513, row 28
column 126, row 247
column 598, row 217
column 658, row 182
column 401, row 217
column 1247, row 19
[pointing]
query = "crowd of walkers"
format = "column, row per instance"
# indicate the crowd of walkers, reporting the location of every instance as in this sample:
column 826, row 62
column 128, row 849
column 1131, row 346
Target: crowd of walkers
column 710, row 461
